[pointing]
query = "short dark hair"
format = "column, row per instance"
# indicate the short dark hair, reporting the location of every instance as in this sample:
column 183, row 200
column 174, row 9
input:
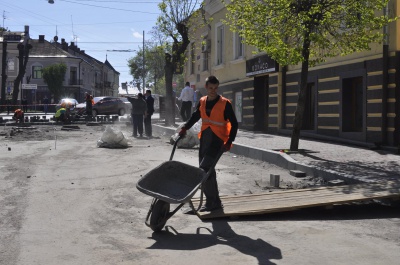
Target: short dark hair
column 187, row 84
column 148, row 91
column 212, row 79
column 140, row 95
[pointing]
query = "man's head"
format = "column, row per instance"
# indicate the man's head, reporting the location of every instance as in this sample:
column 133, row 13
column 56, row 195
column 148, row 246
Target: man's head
column 211, row 86
column 187, row 84
column 212, row 79
column 140, row 95
column 148, row 92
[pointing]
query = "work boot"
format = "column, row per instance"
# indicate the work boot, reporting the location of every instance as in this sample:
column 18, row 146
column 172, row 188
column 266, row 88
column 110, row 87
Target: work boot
column 211, row 207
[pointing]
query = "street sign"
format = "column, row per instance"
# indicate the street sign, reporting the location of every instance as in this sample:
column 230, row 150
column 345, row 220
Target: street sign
column 29, row 86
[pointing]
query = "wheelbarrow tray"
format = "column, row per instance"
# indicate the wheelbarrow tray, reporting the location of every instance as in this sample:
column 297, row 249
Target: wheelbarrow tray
column 172, row 181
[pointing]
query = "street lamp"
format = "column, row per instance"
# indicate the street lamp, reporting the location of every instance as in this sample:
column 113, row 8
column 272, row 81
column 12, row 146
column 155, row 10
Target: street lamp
column 51, row 1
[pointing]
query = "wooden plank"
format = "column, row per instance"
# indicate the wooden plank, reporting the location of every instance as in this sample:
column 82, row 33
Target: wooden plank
column 280, row 201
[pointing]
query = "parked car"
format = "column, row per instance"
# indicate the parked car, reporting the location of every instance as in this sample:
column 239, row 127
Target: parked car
column 106, row 106
column 67, row 101
column 128, row 105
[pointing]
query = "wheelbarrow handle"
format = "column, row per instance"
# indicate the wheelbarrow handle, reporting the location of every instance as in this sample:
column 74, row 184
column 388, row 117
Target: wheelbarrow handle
column 175, row 144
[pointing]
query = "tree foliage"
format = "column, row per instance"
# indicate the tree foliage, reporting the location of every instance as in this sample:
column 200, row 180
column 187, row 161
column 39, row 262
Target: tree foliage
column 174, row 23
column 307, row 32
column 153, row 69
column 54, row 76
column 281, row 27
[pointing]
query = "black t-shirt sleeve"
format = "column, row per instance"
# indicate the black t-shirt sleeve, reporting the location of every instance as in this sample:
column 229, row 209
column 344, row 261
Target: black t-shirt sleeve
column 229, row 114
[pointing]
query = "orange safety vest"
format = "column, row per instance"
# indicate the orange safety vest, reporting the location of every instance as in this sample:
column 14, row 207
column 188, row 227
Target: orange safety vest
column 216, row 120
column 18, row 113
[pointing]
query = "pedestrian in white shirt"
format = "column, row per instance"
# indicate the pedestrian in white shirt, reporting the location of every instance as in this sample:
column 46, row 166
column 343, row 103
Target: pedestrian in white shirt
column 187, row 96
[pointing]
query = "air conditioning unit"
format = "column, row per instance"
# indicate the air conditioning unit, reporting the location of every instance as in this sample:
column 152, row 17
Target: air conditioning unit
column 206, row 46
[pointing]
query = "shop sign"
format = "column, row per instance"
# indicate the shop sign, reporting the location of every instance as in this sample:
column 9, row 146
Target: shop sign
column 261, row 65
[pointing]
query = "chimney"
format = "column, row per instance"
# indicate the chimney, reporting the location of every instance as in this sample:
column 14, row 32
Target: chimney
column 41, row 38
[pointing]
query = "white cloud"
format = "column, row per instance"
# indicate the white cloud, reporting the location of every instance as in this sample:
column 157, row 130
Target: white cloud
column 136, row 34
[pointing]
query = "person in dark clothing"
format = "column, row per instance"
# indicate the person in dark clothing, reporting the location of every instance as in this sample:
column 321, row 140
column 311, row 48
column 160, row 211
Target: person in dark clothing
column 24, row 105
column 45, row 104
column 218, row 131
column 8, row 106
column 89, row 104
column 149, row 113
column 138, row 111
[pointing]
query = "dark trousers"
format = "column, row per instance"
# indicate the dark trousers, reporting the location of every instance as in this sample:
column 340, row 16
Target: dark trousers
column 89, row 109
column 147, row 125
column 25, row 108
column 186, row 110
column 137, row 121
column 210, row 146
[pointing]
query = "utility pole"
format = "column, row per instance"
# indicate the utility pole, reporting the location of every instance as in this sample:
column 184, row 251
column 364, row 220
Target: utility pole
column 3, row 74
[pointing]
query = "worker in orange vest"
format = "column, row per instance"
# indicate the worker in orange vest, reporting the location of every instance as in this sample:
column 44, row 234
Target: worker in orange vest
column 218, row 131
column 18, row 116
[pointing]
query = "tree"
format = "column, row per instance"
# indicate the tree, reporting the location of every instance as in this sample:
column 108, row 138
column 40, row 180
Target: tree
column 153, row 71
column 54, row 76
column 174, row 23
column 307, row 32
column 23, row 57
column 136, row 69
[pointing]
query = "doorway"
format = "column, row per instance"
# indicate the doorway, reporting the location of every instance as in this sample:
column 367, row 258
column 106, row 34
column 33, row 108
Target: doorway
column 261, row 103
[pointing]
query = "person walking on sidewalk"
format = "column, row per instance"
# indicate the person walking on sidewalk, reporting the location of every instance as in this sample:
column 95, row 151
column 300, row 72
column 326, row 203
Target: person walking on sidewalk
column 138, row 111
column 218, row 131
column 187, row 96
column 149, row 112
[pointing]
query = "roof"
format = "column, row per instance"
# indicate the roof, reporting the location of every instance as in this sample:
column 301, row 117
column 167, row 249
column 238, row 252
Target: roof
column 47, row 49
column 109, row 65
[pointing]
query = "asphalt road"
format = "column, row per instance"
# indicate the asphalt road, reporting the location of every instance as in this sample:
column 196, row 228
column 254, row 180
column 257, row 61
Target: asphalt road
column 66, row 201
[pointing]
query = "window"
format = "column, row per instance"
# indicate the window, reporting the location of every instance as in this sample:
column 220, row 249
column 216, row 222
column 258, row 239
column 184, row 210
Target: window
column 192, row 59
column 205, row 61
column 352, row 105
column 36, row 72
column 10, row 65
column 220, row 45
column 238, row 46
column 73, row 73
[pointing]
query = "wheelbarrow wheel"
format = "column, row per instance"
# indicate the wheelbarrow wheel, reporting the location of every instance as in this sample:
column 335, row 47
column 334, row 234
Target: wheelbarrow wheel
column 159, row 215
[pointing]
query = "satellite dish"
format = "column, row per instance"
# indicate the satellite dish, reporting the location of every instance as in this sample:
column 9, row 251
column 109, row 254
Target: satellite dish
column 55, row 38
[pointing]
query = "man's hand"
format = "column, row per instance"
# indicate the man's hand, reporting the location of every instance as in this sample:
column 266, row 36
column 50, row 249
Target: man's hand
column 182, row 132
column 227, row 146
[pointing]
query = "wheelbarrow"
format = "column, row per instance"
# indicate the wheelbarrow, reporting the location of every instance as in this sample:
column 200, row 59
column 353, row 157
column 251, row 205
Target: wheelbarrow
column 172, row 182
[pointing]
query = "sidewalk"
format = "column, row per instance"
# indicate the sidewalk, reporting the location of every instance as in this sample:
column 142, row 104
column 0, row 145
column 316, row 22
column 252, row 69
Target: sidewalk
column 322, row 159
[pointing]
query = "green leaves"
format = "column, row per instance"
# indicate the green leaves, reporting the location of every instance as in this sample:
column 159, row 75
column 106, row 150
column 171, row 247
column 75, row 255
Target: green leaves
column 280, row 27
column 53, row 76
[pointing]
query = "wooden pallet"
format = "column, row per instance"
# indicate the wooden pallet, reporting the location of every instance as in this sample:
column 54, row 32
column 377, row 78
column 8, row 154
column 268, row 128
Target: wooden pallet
column 280, row 201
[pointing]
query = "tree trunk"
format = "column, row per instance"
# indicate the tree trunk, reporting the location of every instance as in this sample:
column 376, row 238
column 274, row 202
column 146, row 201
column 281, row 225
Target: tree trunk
column 298, row 115
column 23, row 56
column 170, row 100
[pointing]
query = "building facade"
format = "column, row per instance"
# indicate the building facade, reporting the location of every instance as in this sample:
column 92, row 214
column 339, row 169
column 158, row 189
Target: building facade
column 354, row 98
column 84, row 73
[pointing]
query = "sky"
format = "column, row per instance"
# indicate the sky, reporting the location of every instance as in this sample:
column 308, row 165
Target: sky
column 100, row 27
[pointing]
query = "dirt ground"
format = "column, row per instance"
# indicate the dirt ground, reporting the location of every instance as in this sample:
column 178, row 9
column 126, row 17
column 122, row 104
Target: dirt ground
column 65, row 201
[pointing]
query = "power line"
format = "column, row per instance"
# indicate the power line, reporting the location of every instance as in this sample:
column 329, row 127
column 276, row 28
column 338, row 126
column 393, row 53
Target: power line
column 120, row 9
column 124, row 2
